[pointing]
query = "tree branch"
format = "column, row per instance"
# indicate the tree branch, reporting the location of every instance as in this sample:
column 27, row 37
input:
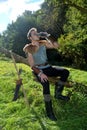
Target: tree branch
column 69, row 3
column 81, row 9
column 17, row 57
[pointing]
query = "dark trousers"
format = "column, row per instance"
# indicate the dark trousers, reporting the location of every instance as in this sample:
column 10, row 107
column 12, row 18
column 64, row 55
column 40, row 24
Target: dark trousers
column 53, row 72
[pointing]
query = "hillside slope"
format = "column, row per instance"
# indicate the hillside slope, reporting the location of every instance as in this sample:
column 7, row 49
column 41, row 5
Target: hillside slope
column 71, row 115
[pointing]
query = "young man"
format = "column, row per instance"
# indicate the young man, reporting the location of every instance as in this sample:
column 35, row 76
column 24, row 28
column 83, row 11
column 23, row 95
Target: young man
column 38, row 62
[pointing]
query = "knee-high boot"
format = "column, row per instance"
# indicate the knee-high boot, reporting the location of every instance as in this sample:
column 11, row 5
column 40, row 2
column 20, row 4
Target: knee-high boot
column 58, row 91
column 49, row 109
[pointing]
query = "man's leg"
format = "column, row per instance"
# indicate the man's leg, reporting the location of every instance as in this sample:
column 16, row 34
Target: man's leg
column 63, row 73
column 47, row 100
column 59, row 86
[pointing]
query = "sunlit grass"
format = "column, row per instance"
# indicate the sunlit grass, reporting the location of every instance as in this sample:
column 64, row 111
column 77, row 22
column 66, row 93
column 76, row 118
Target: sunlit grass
column 16, row 116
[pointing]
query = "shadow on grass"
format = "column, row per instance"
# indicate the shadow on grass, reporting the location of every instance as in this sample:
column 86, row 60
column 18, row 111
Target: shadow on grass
column 73, row 114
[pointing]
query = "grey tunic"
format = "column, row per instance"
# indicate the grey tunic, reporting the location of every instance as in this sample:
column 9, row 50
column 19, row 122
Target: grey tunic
column 40, row 57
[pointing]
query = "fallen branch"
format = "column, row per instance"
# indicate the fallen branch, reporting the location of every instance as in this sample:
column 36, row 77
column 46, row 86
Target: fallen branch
column 17, row 57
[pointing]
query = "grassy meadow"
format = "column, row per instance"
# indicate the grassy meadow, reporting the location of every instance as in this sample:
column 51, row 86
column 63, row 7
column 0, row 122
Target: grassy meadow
column 70, row 115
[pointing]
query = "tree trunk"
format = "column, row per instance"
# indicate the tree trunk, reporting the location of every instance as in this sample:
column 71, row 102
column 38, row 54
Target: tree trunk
column 17, row 57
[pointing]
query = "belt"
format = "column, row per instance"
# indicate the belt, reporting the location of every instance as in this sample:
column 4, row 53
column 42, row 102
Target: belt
column 42, row 64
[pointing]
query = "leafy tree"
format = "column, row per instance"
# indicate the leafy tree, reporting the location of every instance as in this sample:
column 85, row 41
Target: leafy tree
column 66, row 20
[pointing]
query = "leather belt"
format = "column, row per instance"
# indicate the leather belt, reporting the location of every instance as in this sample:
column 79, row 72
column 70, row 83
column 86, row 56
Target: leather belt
column 42, row 64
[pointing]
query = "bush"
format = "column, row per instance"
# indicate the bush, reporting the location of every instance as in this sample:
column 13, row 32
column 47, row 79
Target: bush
column 73, row 50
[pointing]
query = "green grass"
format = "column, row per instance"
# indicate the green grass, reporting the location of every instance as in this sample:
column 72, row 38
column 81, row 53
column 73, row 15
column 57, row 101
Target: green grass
column 71, row 115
